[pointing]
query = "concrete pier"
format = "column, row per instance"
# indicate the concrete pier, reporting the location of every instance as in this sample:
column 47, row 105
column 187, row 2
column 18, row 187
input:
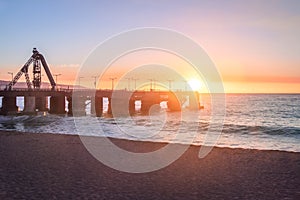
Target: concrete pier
column 29, row 105
column 148, row 102
column 9, row 105
column 97, row 106
column 78, row 105
column 173, row 102
column 132, row 107
column 109, row 110
column 41, row 103
column 57, row 105
column 93, row 108
column 121, row 102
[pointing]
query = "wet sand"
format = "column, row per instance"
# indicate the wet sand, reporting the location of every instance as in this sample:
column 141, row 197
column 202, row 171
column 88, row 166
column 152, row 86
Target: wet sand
column 48, row 166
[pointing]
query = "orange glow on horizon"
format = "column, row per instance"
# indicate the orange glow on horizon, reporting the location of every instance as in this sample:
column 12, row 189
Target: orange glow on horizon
column 235, row 79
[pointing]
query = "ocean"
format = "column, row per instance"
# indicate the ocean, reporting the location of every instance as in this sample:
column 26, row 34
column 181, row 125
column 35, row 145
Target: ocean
column 253, row 121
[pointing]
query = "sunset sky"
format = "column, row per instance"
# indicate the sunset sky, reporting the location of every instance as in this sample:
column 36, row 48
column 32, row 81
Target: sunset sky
column 254, row 44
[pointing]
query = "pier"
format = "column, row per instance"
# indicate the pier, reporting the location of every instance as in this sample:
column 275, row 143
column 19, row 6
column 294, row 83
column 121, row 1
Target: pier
column 53, row 100
column 121, row 102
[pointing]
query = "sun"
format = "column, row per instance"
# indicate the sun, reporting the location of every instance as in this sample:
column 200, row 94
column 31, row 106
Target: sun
column 195, row 84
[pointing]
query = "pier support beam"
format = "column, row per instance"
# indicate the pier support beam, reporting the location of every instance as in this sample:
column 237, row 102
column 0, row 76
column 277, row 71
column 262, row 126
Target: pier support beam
column 119, row 104
column 41, row 103
column 93, row 108
column 120, row 107
column 173, row 102
column 132, row 106
column 194, row 103
column 29, row 105
column 150, row 101
column 78, row 105
column 9, row 105
column 109, row 111
column 57, row 105
column 97, row 106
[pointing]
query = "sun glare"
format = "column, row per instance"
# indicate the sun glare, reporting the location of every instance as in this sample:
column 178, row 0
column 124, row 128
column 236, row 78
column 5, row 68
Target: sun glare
column 195, row 84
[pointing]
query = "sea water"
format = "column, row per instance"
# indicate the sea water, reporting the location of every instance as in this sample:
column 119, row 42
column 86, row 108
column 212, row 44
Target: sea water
column 252, row 121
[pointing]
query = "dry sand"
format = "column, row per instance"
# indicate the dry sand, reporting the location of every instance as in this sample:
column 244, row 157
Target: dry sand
column 48, row 166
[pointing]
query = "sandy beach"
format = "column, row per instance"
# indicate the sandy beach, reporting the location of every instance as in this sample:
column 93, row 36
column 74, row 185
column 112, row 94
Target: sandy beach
column 48, row 166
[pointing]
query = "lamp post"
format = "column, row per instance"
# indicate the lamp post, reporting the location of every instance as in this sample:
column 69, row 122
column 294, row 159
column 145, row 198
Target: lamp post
column 79, row 78
column 170, row 84
column 135, row 79
column 128, row 82
column 150, row 84
column 154, row 84
column 112, row 82
column 12, row 75
column 95, row 80
column 56, row 75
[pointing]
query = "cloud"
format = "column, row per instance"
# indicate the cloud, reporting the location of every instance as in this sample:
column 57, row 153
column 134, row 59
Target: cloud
column 67, row 66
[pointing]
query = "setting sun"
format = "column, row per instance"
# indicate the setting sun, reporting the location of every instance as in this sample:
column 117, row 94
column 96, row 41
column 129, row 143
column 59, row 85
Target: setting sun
column 195, row 84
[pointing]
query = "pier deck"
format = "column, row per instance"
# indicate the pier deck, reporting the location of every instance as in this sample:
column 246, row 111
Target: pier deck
column 119, row 100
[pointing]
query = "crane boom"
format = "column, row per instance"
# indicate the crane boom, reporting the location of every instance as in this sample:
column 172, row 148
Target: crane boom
column 24, row 69
column 47, row 70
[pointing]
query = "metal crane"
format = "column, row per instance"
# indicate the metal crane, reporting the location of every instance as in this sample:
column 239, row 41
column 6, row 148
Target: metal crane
column 37, row 59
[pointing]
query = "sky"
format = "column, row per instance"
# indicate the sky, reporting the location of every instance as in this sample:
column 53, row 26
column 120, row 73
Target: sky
column 255, row 45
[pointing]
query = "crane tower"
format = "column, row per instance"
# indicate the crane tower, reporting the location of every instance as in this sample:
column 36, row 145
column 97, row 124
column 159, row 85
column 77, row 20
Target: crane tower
column 38, row 60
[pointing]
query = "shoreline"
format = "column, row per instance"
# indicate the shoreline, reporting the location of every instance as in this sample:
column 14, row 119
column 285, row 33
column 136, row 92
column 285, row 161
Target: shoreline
column 143, row 141
column 53, row 166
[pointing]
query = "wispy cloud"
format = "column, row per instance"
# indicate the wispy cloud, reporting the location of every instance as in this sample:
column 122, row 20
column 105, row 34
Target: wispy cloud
column 67, row 66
